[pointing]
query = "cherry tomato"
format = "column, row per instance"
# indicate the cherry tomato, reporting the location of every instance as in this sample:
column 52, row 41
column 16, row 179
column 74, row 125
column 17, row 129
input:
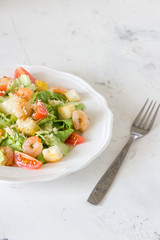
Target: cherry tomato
column 1, row 131
column 3, row 89
column 25, row 161
column 59, row 89
column 40, row 110
column 75, row 139
column 21, row 71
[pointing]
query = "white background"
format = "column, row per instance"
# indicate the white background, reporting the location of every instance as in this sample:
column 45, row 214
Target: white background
column 115, row 46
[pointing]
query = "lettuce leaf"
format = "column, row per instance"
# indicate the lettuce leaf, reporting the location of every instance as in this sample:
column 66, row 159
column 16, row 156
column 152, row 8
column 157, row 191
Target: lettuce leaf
column 11, row 119
column 79, row 106
column 45, row 96
column 64, row 135
column 45, row 120
column 2, row 99
column 15, row 145
column 53, row 110
column 22, row 81
column 2, row 159
column 6, row 121
column 40, row 158
column 51, row 140
column 47, row 123
column 15, row 141
column 3, row 137
column 3, row 117
column 3, row 124
column 63, row 124
column 48, row 126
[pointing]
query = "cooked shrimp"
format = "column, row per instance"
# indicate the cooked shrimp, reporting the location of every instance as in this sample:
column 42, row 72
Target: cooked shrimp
column 59, row 89
column 80, row 120
column 32, row 146
column 5, row 80
column 8, row 155
column 24, row 93
column 21, row 108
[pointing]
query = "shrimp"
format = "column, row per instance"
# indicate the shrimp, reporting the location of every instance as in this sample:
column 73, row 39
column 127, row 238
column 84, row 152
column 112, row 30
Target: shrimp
column 32, row 146
column 6, row 84
column 21, row 108
column 5, row 80
column 24, row 93
column 8, row 155
column 80, row 120
column 59, row 89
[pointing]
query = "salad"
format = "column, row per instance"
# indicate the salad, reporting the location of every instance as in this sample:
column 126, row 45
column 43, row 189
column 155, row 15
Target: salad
column 37, row 123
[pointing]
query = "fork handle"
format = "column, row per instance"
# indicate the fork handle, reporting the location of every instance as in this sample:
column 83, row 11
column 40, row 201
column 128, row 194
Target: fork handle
column 105, row 182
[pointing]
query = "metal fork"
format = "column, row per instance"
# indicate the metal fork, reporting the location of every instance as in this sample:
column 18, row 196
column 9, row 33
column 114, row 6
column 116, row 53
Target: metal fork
column 140, row 127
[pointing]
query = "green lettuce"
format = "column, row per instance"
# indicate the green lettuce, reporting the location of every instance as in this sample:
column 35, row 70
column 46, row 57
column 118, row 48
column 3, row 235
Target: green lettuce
column 22, row 81
column 64, row 135
column 47, row 123
column 53, row 110
column 48, row 126
column 2, row 99
column 10, row 119
column 45, row 96
column 79, row 106
column 63, row 124
column 50, row 122
column 15, row 145
column 3, row 124
column 51, row 140
column 15, row 141
column 3, row 117
column 34, row 98
column 2, row 159
column 40, row 158
column 6, row 121
column 45, row 120
column 3, row 137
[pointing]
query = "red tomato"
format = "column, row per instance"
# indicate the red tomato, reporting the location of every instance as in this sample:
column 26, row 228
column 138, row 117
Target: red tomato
column 21, row 71
column 74, row 139
column 25, row 161
column 40, row 110
column 59, row 89
column 3, row 89
column 1, row 131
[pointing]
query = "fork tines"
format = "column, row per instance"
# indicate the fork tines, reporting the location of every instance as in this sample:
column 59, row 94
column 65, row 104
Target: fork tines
column 147, row 115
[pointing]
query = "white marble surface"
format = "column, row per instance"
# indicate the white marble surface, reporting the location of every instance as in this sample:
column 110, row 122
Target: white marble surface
column 113, row 45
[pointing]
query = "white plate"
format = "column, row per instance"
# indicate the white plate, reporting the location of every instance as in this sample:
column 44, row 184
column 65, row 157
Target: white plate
column 97, row 136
